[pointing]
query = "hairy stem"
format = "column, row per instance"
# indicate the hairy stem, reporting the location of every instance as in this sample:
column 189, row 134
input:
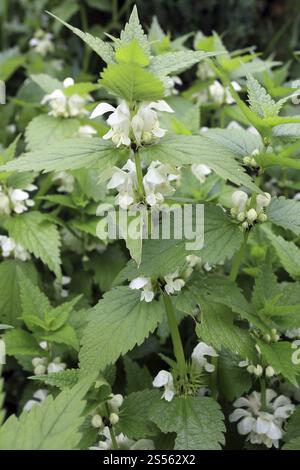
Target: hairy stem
column 176, row 339
column 139, row 174
column 238, row 259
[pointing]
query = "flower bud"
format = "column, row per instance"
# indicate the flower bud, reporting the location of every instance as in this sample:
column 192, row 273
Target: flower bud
column 241, row 216
column 245, row 225
column 37, row 361
column 258, row 370
column 239, row 200
column 97, row 421
column 262, row 217
column 39, row 370
column 251, row 215
column 263, row 200
column 116, row 401
column 270, row 372
column 113, row 418
column 251, row 369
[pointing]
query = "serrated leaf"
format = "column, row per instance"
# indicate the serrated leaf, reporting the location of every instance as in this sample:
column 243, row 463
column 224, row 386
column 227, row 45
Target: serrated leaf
column 46, row 130
column 132, row 53
column 197, row 421
column 287, row 252
column 285, row 213
column 63, row 379
column 134, row 414
column 71, row 154
column 39, row 236
column 279, row 356
column 10, row 302
column 54, row 425
column 33, row 300
column 217, row 328
column 132, row 82
column 133, row 30
column 182, row 150
column 260, row 101
column 241, row 142
column 20, row 342
column 65, row 335
column 102, row 48
column 233, row 380
column 117, row 323
column 293, row 427
column 176, row 62
column 137, row 377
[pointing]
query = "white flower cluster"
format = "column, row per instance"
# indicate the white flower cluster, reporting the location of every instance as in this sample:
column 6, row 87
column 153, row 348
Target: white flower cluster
column 123, row 442
column 156, row 183
column 10, row 248
column 262, row 426
column 258, row 370
column 126, row 126
column 199, row 359
column 222, row 95
column 65, row 182
column 114, row 403
column 42, row 42
column 244, row 213
column 15, row 200
column 43, row 366
column 171, row 83
column 173, row 284
column 38, row 397
column 250, row 160
column 66, row 106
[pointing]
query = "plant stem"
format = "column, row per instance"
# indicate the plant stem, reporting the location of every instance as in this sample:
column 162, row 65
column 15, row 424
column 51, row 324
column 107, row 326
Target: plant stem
column 263, row 394
column 177, row 344
column 238, row 259
column 139, row 174
column 214, row 379
column 111, row 431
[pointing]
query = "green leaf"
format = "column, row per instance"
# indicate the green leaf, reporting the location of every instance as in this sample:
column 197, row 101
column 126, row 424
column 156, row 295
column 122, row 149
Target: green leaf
column 70, row 154
column 19, row 342
column 287, row 252
column 137, row 377
column 117, row 323
column 182, row 150
column 65, row 335
column 279, row 356
column 233, row 380
column 176, row 62
column 10, row 302
column 260, row 101
column 103, row 49
column 285, row 213
column 39, row 236
column 63, row 379
column 241, row 142
column 293, row 427
column 294, row 444
column 10, row 61
column 46, row 83
column 197, row 421
column 217, row 328
column 134, row 414
column 54, row 425
column 46, row 130
column 132, row 82
column 132, row 53
column 133, row 30
column 33, row 300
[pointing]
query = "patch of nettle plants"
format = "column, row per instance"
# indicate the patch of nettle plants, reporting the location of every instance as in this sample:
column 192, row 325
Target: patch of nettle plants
column 139, row 342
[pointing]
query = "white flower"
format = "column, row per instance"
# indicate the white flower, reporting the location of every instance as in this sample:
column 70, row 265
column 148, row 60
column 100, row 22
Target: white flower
column 198, row 356
column 157, row 183
column 42, row 42
column 143, row 283
column 106, row 444
column 145, row 124
column 60, row 286
column 66, row 106
column 119, row 121
column 200, row 171
column 86, row 131
column 56, row 366
column 262, row 201
column 38, row 397
column 165, row 379
column 125, row 182
column 115, row 402
column 15, row 200
column 11, row 248
column 293, row 333
column 65, row 180
column 221, row 95
column 173, row 283
column 262, row 426
column 171, row 85
column 239, row 201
